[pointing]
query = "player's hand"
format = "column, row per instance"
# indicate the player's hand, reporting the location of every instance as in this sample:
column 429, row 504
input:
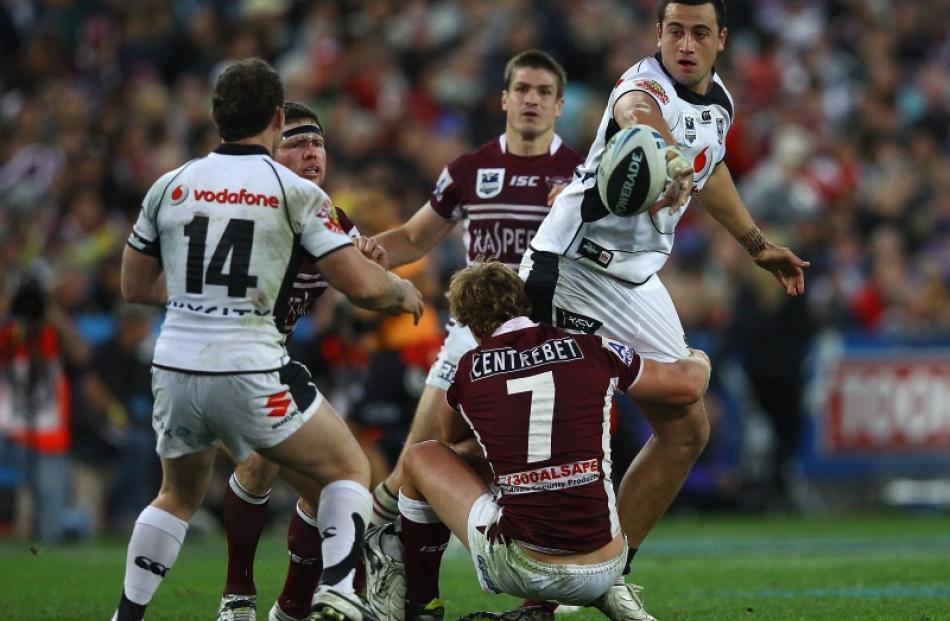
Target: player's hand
column 680, row 186
column 410, row 301
column 785, row 265
column 372, row 250
column 700, row 355
column 556, row 189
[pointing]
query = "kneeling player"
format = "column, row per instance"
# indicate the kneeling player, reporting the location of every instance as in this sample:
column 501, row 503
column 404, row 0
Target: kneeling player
column 537, row 400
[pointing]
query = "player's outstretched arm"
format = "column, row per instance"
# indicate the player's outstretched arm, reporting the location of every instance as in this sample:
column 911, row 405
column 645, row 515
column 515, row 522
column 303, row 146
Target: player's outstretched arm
column 415, row 238
column 368, row 285
column 722, row 201
column 142, row 280
column 638, row 107
column 673, row 383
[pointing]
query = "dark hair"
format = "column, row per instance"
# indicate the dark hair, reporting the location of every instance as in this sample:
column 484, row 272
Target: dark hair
column 244, row 99
column 485, row 295
column 29, row 301
column 536, row 59
column 718, row 5
column 298, row 111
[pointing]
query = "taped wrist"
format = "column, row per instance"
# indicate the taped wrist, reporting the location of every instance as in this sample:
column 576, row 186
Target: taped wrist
column 677, row 165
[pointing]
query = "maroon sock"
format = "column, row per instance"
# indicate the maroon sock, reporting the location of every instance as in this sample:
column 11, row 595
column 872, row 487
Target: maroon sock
column 306, row 565
column 423, row 547
column 533, row 603
column 244, row 520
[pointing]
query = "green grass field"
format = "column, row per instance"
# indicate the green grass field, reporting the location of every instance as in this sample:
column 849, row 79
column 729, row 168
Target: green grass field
column 858, row 567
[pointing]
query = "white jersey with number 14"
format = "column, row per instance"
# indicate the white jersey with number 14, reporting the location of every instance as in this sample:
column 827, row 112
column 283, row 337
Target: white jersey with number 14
column 231, row 230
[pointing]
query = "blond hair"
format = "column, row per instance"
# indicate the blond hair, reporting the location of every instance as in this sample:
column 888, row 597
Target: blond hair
column 485, row 295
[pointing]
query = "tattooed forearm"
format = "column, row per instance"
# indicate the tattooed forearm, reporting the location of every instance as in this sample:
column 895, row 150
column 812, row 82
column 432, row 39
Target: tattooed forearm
column 753, row 241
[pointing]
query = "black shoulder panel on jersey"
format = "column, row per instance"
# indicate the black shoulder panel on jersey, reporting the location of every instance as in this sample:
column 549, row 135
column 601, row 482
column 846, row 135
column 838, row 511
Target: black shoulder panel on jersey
column 283, row 194
column 282, row 303
column 715, row 97
column 592, row 208
column 612, row 128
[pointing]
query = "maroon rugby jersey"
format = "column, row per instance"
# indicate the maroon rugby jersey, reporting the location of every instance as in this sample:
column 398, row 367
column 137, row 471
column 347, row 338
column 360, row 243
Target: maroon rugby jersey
column 538, row 400
column 309, row 284
column 501, row 197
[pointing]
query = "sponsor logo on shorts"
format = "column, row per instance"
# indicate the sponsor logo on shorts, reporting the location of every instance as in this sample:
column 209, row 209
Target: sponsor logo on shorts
column 278, row 404
column 550, row 478
column 569, row 320
column 285, row 419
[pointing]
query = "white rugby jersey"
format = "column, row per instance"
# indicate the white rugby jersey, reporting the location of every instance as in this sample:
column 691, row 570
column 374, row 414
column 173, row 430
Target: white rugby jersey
column 231, row 230
column 634, row 248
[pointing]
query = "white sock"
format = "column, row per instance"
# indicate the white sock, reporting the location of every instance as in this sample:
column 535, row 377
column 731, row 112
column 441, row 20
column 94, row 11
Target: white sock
column 153, row 548
column 385, row 509
column 344, row 509
column 245, row 495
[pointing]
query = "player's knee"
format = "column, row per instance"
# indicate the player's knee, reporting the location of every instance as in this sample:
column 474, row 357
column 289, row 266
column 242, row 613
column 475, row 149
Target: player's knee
column 418, row 455
column 353, row 465
column 693, row 434
column 179, row 502
column 256, row 474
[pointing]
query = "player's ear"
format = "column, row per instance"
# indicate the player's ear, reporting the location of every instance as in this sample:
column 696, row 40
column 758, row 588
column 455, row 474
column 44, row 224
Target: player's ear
column 278, row 120
column 723, row 33
column 558, row 107
column 504, row 99
column 659, row 33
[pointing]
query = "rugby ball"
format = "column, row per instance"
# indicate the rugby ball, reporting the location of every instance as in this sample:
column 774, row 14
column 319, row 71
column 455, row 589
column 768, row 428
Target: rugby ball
column 632, row 170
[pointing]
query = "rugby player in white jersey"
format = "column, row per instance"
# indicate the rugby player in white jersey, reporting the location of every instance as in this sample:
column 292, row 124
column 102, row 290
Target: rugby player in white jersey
column 500, row 192
column 218, row 242
column 302, row 149
column 591, row 271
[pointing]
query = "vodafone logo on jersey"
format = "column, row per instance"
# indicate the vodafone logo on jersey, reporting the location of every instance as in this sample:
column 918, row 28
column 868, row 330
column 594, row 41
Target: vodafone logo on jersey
column 226, row 197
column 179, row 194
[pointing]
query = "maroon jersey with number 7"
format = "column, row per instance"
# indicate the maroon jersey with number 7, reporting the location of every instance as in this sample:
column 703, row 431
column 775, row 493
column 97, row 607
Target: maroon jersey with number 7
column 538, row 400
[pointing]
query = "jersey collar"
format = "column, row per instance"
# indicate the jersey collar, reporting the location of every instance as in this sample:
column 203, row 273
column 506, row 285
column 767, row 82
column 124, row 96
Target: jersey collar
column 556, row 143
column 236, row 148
column 518, row 323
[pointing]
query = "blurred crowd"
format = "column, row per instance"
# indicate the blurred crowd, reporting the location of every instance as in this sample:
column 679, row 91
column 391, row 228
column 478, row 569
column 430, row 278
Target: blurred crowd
column 840, row 150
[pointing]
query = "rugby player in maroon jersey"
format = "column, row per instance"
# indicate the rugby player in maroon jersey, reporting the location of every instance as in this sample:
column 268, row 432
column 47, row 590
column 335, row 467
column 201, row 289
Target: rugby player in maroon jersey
column 536, row 400
column 500, row 193
column 244, row 510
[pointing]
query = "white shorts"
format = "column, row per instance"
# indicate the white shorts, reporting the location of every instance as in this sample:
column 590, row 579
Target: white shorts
column 578, row 299
column 458, row 341
column 505, row 568
column 244, row 411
